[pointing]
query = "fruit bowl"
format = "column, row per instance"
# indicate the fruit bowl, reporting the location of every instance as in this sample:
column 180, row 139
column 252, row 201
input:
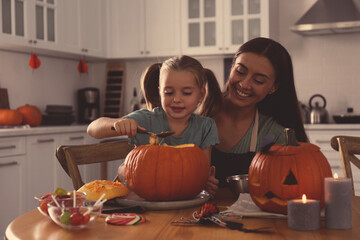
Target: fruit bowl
column 65, row 201
column 74, row 218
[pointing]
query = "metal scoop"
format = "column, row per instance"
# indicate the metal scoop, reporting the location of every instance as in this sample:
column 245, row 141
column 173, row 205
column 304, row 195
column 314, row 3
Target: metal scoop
column 160, row 135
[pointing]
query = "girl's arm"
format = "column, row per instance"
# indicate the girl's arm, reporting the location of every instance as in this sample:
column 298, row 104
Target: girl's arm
column 110, row 127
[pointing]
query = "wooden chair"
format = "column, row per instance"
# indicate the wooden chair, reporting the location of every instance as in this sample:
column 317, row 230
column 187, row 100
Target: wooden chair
column 71, row 156
column 348, row 147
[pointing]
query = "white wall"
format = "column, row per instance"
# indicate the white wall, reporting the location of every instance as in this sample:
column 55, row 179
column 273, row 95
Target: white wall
column 56, row 81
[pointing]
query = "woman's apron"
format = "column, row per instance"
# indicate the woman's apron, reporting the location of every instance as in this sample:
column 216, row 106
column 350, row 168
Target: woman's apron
column 228, row 164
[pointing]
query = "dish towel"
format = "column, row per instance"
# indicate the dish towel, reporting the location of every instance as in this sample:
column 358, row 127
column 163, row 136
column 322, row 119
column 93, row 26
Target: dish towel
column 245, row 207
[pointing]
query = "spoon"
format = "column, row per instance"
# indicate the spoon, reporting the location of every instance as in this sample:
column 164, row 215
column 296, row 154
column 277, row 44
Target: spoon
column 160, row 135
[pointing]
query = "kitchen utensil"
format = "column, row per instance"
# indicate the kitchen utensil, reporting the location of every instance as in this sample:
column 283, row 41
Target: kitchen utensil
column 4, row 99
column 348, row 117
column 305, row 112
column 238, row 184
column 318, row 114
column 160, row 135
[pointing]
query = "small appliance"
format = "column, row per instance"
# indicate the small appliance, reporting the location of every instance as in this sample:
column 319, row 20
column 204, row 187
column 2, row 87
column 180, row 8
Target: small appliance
column 88, row 104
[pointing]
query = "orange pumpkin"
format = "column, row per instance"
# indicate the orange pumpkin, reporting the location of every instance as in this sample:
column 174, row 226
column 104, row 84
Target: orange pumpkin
column 10, row 117
column 166, row 173
column 31, row 115
column 285, row 172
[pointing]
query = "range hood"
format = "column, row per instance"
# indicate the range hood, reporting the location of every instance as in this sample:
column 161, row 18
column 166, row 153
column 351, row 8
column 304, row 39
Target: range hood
column 330, row 17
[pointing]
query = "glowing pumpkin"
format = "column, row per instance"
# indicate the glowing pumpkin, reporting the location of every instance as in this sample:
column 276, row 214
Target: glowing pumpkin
column 285, row 172
column 31, row 115
column 166, row 173
column 10, row 117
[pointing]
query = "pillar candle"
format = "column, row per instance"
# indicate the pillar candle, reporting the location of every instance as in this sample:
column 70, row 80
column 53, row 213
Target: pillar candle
column 338, row 195
column 303, row 214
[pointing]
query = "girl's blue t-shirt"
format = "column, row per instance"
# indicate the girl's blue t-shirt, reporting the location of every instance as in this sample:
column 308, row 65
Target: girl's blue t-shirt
column 201, row 130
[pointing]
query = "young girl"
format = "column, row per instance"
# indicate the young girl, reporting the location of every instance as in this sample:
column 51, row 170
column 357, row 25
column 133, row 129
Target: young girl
column 173, row 90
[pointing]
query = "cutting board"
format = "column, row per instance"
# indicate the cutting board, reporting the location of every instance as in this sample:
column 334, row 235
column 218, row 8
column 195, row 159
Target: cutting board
column 4, row 99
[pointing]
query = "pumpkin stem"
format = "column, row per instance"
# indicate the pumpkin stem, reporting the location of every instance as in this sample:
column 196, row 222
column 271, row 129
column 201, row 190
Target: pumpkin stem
column 290, row 137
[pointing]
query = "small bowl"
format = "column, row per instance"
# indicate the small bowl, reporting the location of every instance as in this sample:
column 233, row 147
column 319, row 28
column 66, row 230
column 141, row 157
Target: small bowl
column 74, row 218
column 238, row 184
column 66, row 201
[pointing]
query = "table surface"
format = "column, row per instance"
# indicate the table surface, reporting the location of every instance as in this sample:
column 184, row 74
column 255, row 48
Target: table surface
column 33, row 225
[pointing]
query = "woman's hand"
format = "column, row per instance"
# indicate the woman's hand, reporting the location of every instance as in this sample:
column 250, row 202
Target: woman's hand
column 212, row 183
column 126, row 126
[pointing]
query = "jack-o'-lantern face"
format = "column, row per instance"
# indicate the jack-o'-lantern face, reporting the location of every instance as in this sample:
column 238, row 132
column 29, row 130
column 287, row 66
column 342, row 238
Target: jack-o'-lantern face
column 286, row 172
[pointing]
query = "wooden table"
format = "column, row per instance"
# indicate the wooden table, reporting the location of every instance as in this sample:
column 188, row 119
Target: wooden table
column 33, row 225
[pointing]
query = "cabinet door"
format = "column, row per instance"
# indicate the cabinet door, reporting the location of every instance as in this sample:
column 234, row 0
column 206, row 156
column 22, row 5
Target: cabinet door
column 202, row 26
column 41, row 168
column 12, row 188
column 126, row 28
column 92, row 27
column 162, row 28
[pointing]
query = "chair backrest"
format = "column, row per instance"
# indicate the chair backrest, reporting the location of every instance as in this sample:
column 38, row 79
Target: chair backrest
column 70, row 156
column 348, row 147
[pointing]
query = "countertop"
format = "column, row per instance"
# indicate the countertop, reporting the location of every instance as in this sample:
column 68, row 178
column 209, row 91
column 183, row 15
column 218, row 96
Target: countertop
column 26, row 130
column 332, row 126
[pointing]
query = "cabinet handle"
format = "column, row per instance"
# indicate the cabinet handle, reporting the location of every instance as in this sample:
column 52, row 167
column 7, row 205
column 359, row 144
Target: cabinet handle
column 35, row 42
column 322, row 141
column 76, row 138
column 30, row 41
column 45, row 140
column 7, row 147
column 8, row 164
column 147, row 52
column 141, row 52
column 220, row 48
column 336, row 167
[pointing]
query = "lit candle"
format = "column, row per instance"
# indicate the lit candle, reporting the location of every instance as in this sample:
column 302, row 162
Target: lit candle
column 304, row 214
column 338, row 194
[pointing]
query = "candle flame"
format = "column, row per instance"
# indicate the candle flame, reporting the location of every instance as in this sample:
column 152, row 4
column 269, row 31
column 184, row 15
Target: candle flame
column 303, row 198
column 336, row 175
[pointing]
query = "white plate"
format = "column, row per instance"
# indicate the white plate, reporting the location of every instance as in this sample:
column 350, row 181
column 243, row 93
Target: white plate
column 133, row 200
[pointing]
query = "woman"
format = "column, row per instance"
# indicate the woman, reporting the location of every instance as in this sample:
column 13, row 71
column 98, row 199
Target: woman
column 259, row 100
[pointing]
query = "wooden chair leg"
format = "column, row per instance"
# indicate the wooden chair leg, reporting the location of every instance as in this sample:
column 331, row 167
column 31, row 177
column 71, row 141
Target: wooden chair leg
column 103, row 173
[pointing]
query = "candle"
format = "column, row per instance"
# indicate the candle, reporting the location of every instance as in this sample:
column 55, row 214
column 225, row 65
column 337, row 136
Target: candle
column 338, row 194
column 304, row 214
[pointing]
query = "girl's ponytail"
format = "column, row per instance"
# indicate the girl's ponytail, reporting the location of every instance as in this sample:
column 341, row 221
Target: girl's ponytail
column 213, row 98
column 150, row 86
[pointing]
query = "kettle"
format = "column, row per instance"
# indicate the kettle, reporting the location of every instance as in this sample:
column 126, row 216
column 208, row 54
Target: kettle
column 318, row 114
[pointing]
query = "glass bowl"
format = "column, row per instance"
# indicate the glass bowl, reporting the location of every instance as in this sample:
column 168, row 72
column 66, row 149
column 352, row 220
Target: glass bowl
column 66, row 201
column 74, row 218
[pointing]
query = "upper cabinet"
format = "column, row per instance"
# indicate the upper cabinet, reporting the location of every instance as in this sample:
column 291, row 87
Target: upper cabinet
column 220, row 27
column 29, row 23
column 143, row 28
column 82, row 26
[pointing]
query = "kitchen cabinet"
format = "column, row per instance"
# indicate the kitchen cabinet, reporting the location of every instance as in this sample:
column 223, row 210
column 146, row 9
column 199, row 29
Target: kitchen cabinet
column 220, row 27
column 321, row 134
column 12, row 160
column 30, row 24
column 83, row 27
column 143, row 28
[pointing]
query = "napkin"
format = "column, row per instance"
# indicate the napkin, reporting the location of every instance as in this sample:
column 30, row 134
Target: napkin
column 245, row 207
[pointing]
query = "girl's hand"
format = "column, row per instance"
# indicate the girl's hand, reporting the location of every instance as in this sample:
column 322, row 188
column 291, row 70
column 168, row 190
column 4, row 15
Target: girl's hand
column 126, row 126
column 212, row 183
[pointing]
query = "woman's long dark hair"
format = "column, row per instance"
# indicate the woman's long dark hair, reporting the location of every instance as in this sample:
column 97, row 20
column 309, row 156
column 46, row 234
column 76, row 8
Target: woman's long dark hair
column 283, row 104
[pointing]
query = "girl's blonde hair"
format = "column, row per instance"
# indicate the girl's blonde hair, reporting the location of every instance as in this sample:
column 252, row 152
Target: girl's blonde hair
column 204, row 78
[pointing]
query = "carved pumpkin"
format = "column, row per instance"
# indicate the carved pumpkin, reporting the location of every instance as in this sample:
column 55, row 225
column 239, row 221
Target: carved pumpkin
column 10, row 117
column 285, row 172
column 166, row 173
column 31, row 115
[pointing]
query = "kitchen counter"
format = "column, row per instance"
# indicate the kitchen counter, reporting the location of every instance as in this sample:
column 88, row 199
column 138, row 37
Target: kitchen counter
column 26, row 131
column 332, row 126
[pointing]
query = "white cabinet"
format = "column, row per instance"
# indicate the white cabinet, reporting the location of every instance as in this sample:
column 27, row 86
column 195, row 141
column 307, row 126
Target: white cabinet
column 82, row 24
column 12, row 160
column 32, row 24
column 221, row 26
column 321, row 137
column 143, row 28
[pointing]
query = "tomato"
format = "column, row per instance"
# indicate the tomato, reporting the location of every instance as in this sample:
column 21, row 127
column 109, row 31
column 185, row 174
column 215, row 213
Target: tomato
column 43, row 205
column 86, row 219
